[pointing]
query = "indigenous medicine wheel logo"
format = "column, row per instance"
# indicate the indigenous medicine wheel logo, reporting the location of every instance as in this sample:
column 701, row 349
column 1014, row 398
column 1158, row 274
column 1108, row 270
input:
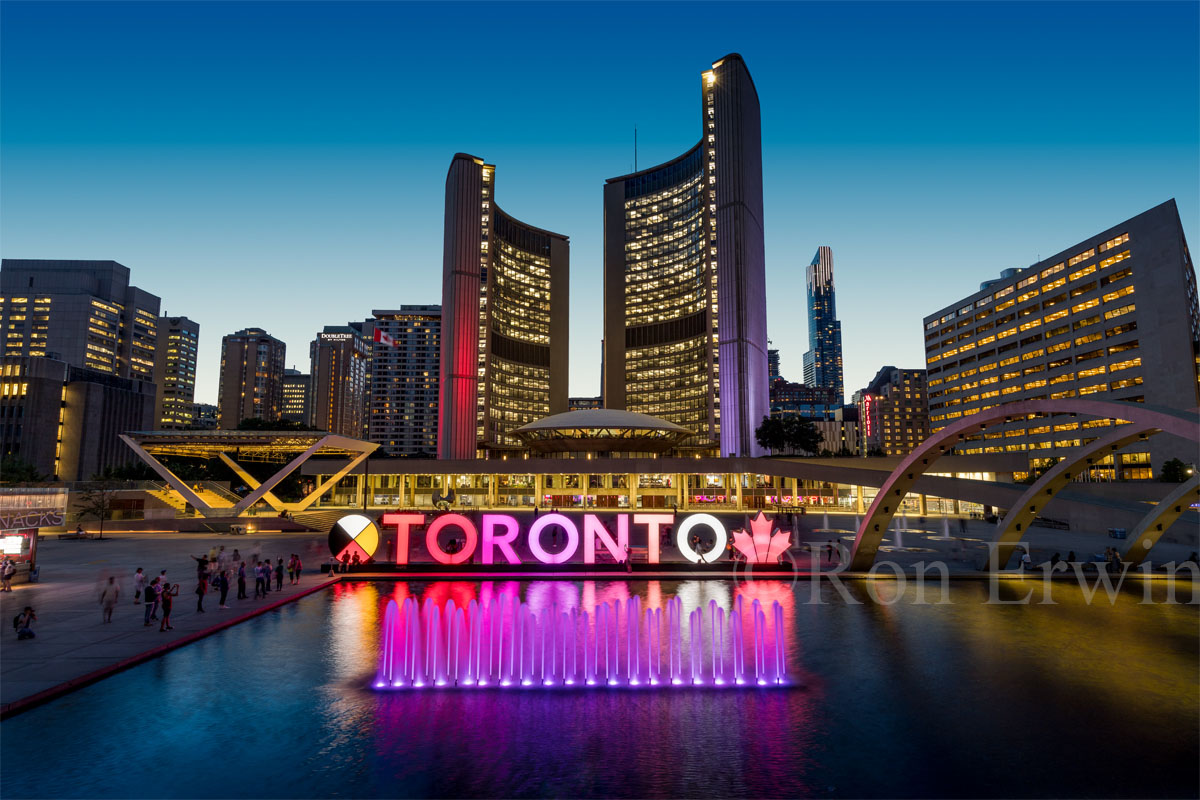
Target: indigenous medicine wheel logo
column 353, row 535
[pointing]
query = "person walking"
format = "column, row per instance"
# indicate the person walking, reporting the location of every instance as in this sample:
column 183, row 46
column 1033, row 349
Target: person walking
column 241, row 578
column 279, row 575
column 258, row 581
column 139, row 586
column 169, row 593
column 152, row 590
column 201, row 590
column 109, row 596
column 223, row 586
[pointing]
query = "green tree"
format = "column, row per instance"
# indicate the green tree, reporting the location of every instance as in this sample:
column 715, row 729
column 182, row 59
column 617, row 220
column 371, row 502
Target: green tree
column 1174, row 471
column 256, row 424
column 96, row 501
column 770, row 434
column 14, row 470
column 876, row 452
column 802, row 435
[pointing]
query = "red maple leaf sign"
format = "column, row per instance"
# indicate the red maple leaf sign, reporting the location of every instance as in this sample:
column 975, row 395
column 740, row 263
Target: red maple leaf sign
column 766, row 544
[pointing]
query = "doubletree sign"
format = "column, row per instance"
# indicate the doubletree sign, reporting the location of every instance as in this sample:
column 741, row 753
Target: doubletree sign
column 493, row 538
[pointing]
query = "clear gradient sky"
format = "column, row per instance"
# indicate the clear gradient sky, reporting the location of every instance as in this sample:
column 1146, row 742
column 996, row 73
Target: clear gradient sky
column 282, row 165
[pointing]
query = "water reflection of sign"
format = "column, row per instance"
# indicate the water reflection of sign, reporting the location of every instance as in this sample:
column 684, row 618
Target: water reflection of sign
column 494, row 536
column 30, row 519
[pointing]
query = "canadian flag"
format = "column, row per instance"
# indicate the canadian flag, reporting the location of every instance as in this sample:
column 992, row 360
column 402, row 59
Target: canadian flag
column 383, row 338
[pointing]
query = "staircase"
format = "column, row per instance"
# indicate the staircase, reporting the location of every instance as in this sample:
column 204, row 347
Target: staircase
column 323, row 521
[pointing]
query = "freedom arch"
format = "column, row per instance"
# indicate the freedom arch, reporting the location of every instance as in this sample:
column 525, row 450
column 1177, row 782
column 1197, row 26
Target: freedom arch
column 1144, row 420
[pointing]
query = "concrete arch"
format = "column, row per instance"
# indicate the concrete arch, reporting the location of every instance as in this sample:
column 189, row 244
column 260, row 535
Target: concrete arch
column 1057, row 478
column 866, row 543
column 1155, row 524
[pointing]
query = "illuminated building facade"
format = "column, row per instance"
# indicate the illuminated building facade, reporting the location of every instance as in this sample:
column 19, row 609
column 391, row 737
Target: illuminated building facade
column 340, row 356
column 823, row 361
column 801, row 400
column 1113, row 317
column 504, row 319
column 297, row 391
column 406, row 356
column 892, row 414
column 251, row 384
column 65, row 420
column 82, row 312
column 685, row 332
column 175, row 373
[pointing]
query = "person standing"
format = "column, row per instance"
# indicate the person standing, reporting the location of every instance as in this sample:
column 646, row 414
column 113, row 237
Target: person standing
column 258, row 581
column 223, row 585
column 279, row 576
column 299, row 566
column 241, row 578
column 152, row 591
column 201, row 590
column 7, row 570
column 291, row 569
column 109, row 596
column 169, row 593
column 139, row 586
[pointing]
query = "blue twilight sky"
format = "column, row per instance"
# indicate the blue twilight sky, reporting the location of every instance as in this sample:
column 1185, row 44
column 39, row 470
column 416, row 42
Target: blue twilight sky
column 283, row 164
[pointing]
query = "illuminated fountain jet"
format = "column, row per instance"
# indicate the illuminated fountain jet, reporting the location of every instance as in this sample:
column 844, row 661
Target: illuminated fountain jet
column 506, row 643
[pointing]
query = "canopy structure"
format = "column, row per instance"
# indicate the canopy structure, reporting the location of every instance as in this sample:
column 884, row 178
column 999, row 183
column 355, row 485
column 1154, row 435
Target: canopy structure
column 290, row 448
column 601, row 430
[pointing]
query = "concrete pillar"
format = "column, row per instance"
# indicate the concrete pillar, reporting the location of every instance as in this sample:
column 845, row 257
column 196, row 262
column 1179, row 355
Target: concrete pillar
column 858, row 500
column 538, row 489
column 583, row 489
column 632, row 480
column 922, row 505
column 957, row 510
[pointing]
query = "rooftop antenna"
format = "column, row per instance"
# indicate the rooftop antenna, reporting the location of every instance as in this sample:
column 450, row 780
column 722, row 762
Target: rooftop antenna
column 635, row 148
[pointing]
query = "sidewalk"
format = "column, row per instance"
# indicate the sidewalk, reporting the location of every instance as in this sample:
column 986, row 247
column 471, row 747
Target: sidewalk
column 72, row 640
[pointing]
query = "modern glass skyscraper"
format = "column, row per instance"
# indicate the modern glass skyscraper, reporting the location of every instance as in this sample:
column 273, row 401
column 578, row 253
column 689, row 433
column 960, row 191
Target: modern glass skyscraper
column 823, row 361
column 504, row 319
column 685, row 328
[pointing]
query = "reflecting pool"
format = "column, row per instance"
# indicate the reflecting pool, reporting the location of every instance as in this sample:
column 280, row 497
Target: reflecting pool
column 886, row 699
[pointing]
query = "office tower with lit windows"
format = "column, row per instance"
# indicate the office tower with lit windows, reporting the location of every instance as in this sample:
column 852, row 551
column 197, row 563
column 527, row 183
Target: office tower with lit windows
column 251, row 384
column 893, row 417
column 685, row 330
column 339, row 356
column 1114, row 317
column 84, row 313
column 406, row 357
column 175, row 373
column 823, row 361
column 297, row 388
column 504, row 319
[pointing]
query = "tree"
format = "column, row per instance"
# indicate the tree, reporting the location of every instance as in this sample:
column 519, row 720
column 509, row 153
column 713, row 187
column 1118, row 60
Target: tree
column 256, row 424
column 96, row 501
column 1174, row 471
column 791, row 434
column 876, row 452
column 14, row 469
column 770, row 434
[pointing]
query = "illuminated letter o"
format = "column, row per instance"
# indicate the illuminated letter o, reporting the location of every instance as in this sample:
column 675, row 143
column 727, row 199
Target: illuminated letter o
column 435, row 550
column 685, row 547
column 535, row 532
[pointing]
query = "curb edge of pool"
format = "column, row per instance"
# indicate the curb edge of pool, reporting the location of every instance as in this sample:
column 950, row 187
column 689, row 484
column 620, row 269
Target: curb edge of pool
column 45, row 695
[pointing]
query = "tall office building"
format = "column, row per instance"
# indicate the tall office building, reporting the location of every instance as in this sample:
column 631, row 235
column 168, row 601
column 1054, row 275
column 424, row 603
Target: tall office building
column 504, row 318
column 297, row 390
column 65, row 420
column 773, row 365
column 1114, row 317
column 685, row 329
column 175, row 373
column 406, row 356
column 251, row 384
column 823, row 361
column 893, row 411
column 338, row 402
column 84, row 313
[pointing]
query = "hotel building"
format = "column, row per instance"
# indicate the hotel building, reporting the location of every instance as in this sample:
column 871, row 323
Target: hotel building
column 84, row 313
column 685, row 332
column 1113, row 317
column 251, row 384
column 823, row 361
column 340, row 356
column 892, row 412
column 297, row 388
column 504, row 319
column 175, row 373
column 406, row 355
